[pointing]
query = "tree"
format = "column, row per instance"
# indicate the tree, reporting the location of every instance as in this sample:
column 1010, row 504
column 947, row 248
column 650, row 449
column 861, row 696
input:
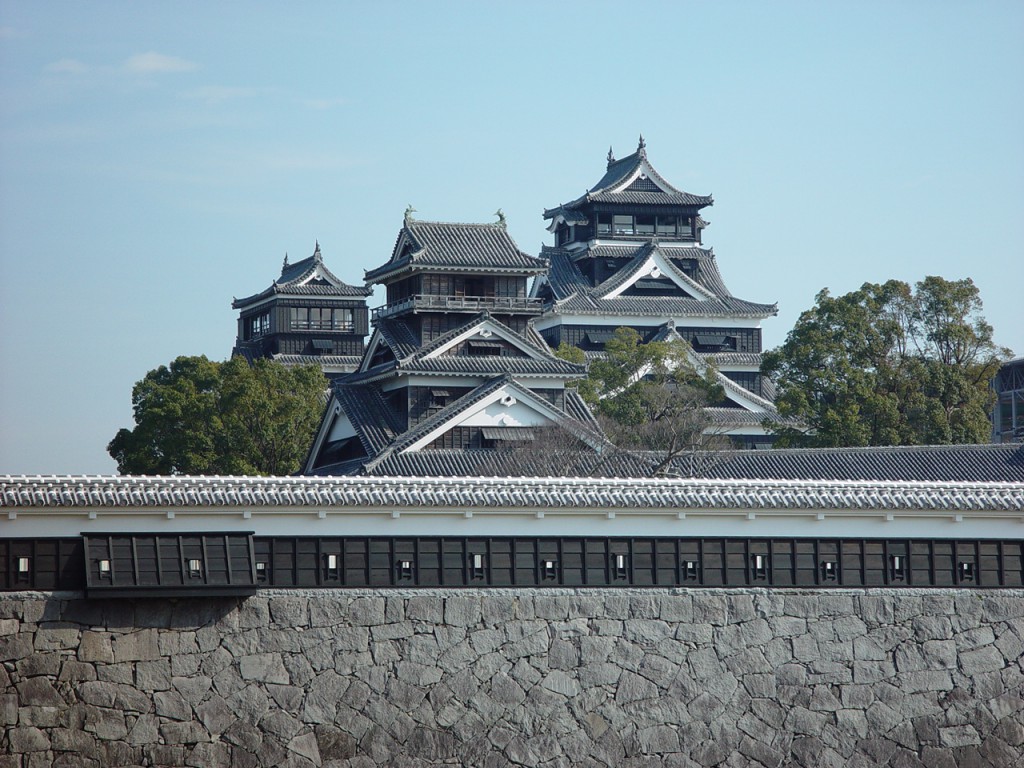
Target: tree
column 888, row 365
column 202, row 417
column 650, row 399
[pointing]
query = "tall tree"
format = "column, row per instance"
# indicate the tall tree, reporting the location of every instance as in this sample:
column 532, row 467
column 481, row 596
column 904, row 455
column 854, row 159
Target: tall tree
column 888, row 365
column 202, row 417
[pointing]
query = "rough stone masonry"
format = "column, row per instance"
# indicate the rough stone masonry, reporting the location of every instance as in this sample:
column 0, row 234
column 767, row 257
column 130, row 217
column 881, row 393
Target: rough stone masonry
column 618, row 677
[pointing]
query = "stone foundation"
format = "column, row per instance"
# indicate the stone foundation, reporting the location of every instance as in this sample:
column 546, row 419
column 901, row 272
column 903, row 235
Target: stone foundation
column 516, row 677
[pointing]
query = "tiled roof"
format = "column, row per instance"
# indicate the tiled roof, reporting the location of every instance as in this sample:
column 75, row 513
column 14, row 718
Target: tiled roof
column 333, row 361
column 573, row 295
column 648, row 198
column 628, row 271
column 579, row 410
column 389, row 494
column 727, row 359
column 706, row 274
column 398, row 336
column 293, row 274
column 414, row 359
column 947, row 463
column 619, row 171
column 371, row 417
column 413, row 434
column 494, row 365
column 456, row 247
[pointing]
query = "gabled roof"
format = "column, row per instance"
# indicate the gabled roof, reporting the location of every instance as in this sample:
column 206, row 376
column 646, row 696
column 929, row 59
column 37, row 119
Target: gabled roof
column 455, row 412
column 309, row 277
column 822, row 470
column 917, row 463
column 650, row 256
column 574, row 295
column 631, row 180
column 538, row 359
column 476, row 248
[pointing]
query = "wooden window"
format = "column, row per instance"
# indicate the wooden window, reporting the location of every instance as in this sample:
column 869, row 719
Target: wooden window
column 604, row 223
column 667, row 225
column 343, row 320
column 645, row 225
column 623, row 225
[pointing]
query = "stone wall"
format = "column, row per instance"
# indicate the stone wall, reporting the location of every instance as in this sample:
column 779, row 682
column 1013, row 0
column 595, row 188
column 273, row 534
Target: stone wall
column 506, row 677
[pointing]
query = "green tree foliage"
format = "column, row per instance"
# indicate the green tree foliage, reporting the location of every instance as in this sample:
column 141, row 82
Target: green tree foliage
column 889, row 365
column 201, row 417
column 651, row 398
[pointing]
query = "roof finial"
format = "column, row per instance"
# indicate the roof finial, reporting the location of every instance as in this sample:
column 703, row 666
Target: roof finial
column 641, row 147
column 316, row 252
column 611, row 155
column 285, row 266
column 501, row 218
column 409, row 211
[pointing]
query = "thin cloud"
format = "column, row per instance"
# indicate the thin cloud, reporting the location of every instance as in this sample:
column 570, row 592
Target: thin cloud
column 321, row 104
column 153, row 62
column 67, row 66
column 216, row 94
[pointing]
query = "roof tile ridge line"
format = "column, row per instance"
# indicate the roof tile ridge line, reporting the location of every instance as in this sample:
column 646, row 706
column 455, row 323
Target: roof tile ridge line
column 482, row 224
column 410, row 435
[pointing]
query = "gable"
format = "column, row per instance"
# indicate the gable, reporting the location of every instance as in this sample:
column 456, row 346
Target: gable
column 377, row 353
column 336, row 440
column 643, row 179
column 656, row 275
column 486, row 334
column 508, row 406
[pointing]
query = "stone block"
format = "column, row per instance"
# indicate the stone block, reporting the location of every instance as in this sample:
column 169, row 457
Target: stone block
column 137, row 646
column 289, row 612
column 15, row 647
column 928, row 680
column 263, row 667
column 209, row 755
column 171, row 704
column 959, row 736
column 38, row 692
column 185, row 732
column 215, row 715
column 193, row 689
column 710, row 609
column 305, row 745
column 932, row 628
column 107, row 724
column 987, row 659
column 561, row 682
column 22, row 740
column 8, row 709
column 145, row 730
column 366, row 611
column 632, row 687
column 76, row 671
column 462, row 611
column 675, row 608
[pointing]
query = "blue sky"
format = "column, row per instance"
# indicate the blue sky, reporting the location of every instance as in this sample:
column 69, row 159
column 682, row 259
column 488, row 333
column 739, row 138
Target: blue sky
column 157, row 159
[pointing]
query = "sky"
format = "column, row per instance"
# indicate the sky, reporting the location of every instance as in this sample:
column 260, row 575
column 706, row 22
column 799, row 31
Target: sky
column 158, row 159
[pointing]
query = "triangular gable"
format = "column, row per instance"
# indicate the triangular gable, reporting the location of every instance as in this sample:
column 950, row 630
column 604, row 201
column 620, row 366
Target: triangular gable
column 657, row 266
column 644, row 172
column 334, row 422
column 509, row 405
column 484, row 329
column 319, row 272
column 376, row 343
